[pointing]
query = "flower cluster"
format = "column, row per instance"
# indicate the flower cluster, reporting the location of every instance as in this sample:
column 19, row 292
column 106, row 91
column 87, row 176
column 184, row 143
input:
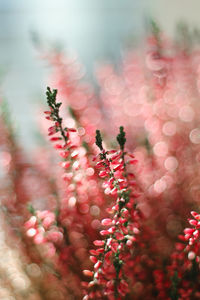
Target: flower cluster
column 42, row 228
column 113, row 257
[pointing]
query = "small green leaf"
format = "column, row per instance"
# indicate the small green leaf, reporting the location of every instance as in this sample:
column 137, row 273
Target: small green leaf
column 99, row 139
column 121, row 137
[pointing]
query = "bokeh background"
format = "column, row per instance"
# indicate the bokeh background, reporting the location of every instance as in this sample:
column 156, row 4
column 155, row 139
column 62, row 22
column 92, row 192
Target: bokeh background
column 95, row 30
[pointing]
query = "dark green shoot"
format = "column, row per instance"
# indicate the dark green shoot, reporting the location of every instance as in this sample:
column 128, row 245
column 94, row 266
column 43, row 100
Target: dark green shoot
column 72, row 113
column 51, row 101
column 121, row 137
column 99, row 140
column 155, row 28
column 31, row 209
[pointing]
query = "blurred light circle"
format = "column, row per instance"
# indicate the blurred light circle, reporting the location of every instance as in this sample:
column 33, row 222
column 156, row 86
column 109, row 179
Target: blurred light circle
column 169, row 97
column 94, row 210
column 34, row 270
column 169, row 128
column 81, row 131
column 186, row 114
column 90, row 171
column 160, row 149
column 171, row 163
column 131, row 109
column 172, row 111
column 191, row 255
column 114, row 85
column 195, row 136
column 31, row 232
column 160, row 185
column 72, row 202
column 95, row 224
column 151, row 124
column 69, row 122
column 20, row 283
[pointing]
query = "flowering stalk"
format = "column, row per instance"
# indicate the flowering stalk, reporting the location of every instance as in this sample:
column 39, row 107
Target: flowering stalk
column 73, row 214
column 183, row 271
column 112, row 258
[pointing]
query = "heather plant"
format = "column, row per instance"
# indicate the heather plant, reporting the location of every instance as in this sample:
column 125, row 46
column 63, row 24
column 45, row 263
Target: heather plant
column 106, row 217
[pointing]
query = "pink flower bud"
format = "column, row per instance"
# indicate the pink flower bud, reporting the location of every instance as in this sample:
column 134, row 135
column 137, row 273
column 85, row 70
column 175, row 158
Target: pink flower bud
column 106, row 222
column 129, row 243
column 113, row 191
column 133, row 161
column 100, row 250
column 115, row 157
column 104, row 232
column 31, row 232
column 189, row 230
column 49, row 220
column 119, row 235
column 130, row 155
column 187, row 237
column 58, row 146
column 112, row 229
column 110, row 284
column 93, row 259
column 65, row 164
column 64, row 154
column 54, row 139
column 99, row 164
column 93, row 252
column 52, row 129
column 108, row 257
column 31, row 222
column 74, row 154
column 103, row 174
column 118, row 168
column 131, row 175
column 114, row 247
column 55, row 236
column 181, row 237
column 98, row 243
column 71, row 129
column 112, row 151
column 194, row 213
column 193, row 222
column 97, row 265
column 67, row 176
column 39, row 239
column 122, row 221
column 95, row 157
column 88, row 273
column 196, row 233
